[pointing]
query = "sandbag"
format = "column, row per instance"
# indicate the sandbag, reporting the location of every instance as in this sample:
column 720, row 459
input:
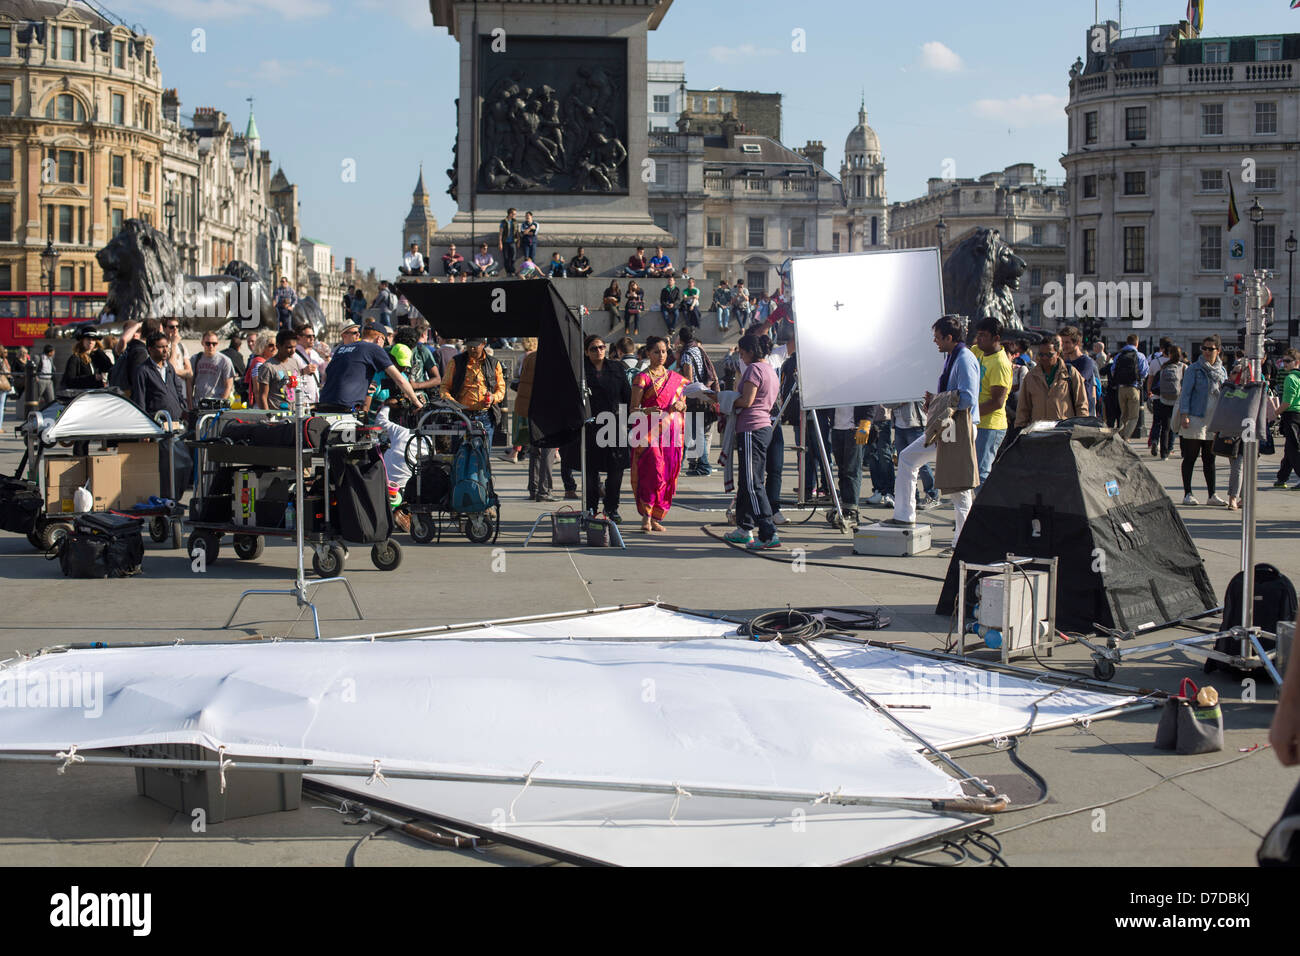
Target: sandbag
column 363, row 515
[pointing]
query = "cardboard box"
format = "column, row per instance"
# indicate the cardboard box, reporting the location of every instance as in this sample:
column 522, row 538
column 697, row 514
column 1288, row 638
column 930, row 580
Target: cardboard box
column 140, row 473
column 63, row 476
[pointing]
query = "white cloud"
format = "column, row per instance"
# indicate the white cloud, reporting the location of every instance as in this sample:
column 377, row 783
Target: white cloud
column 1028, row 109
column 253, row 10
column 413, row 13
column 280, row 71
column 936, row 56
column 734, row 54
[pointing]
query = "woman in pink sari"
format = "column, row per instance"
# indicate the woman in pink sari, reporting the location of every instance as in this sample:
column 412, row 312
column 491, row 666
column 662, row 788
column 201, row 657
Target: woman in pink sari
column 658, row 435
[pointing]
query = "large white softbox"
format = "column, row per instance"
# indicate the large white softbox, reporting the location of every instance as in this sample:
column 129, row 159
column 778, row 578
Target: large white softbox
column 862, row 326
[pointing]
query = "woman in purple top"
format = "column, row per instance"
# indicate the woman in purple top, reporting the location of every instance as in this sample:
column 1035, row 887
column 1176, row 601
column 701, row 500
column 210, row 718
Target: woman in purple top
column 758, row 393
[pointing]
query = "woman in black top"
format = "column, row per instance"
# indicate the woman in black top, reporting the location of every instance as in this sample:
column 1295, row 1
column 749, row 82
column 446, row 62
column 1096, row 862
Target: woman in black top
column 607, row 449
column 632, row 309
column 610, row 302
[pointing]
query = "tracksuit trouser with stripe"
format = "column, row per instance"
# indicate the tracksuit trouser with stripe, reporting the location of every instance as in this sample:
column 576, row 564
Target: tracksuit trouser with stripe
column 753, row 510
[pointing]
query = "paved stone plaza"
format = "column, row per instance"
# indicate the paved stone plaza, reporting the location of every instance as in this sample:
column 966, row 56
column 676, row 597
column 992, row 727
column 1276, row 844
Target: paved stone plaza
column 94, row 817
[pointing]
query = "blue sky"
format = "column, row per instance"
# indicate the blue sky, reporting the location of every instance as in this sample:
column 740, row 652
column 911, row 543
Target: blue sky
column 982, row 84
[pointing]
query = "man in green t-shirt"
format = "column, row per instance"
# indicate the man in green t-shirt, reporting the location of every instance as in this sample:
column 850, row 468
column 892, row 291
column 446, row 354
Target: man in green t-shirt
column 690, row 302
column 995, row 385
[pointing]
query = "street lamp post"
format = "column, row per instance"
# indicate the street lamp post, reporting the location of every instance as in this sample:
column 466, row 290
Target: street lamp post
column 942, row 229
column 1256, row 217
column 170, row 208
column 1290, row 315
column 50, row 262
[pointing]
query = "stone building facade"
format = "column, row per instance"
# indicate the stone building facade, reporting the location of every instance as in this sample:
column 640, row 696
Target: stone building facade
column 864, row 222
column 1162, row 122
column 81, row 139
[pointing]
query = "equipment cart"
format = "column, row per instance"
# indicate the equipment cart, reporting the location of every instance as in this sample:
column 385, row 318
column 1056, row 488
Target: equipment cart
column 101, row 441
column 429, row 493
column 245, row 487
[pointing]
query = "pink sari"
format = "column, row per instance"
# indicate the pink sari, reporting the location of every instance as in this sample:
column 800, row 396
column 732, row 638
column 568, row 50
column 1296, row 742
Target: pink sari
column 658, row 442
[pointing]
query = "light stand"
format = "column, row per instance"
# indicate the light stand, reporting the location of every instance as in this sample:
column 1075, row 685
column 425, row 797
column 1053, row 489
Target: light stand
column 301, row 584
column 1290, row 265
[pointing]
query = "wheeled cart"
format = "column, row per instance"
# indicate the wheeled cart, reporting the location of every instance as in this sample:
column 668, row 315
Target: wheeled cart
column 249, row 491
column 431, row 507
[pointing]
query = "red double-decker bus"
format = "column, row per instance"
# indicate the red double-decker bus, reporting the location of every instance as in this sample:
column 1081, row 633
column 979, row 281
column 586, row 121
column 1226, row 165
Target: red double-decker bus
column 24, row 316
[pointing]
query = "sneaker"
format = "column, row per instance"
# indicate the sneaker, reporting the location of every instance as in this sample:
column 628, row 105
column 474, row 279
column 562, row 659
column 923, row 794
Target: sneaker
column 1279, row 484
column 946, row 553
column 779, row 518
column 875, row 499
column 572, row 495
column 887, row 501
column 898, row 523
column 1190, row 500
column 757, row 545
column 615, row 517
column 1217, row 499
column 739, row 536
column 545, row 496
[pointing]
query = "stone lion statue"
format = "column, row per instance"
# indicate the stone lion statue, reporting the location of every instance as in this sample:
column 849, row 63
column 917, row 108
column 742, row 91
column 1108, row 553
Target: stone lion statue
column 145, row 281
column 979, row 276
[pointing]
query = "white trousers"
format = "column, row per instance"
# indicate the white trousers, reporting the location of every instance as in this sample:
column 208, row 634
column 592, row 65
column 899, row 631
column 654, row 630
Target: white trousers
column 910, row 461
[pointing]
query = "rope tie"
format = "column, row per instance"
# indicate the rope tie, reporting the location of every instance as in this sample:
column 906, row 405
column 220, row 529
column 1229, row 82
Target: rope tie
column 528, row 779
column 1085, row 724
column 178, row 642
column 222, row 764
column 69, row 758
column 828, row 796
column 677, row 801
column 376, row 774
column 1001, row 743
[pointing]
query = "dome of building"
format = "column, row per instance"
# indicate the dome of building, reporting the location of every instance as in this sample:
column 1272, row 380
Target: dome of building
column 862, row 138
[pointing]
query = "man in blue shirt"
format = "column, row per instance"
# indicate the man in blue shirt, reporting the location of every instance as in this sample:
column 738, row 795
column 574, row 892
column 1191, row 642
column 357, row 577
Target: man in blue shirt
column 661, row 267
column 347, row 377
column 961, row 374
column 1128, row 373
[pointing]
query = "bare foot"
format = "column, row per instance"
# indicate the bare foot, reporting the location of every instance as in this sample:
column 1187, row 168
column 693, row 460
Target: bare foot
column 645, row 525
column 656, row 525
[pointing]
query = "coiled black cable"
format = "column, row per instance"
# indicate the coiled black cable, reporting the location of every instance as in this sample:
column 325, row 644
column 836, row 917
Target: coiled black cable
column 787, row 627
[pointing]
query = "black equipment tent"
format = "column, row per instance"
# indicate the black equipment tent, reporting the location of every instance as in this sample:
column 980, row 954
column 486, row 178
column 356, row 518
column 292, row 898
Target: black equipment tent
column 1079, row 493
column 514, row 308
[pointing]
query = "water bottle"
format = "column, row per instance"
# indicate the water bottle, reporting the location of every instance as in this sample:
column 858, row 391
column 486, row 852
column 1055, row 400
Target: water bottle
column 288, row 517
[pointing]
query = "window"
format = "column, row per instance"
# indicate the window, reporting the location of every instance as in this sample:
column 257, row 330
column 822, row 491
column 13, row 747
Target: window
column 1036, row 236
column 1089, row 252
column 117, row 176
column 70, row 165
column 661, row 104
column 65, row 106
column 1211, row 119
column 835, row 242
column 1135, row 249
column 1090, row 187
column 118, row 109
column 751, row 148
column 798, row 233
column 658, row 129
column 1268, row 49
column 661, row 220
column 65, row 224
column 858, row 189
column 726, row 104
column 67, row 43
column 65, row 279
column 119, row 54
column 714, row 231
column 661, row 173
column 1266, row 177
column 117, row 221
column 6, row 163
column 6, row 99
column 757, row 233
column 1135, row 122
column 1211, row 308
column 1211, row 180
column 1135, row 184
column 6, row 278
column 1214, row 53
column 1211, row 248
column 875, row 231
column 6, row 222
column 146, row 115
column 755, row 182
column 1265, row 118
column 1090, row 127
column 697, row 104
column 6, row 46
column 756, row 279
column 1035, row 278
column 1266, row 246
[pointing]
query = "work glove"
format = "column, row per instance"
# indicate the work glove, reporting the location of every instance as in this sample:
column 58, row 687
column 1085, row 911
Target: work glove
column 863, row 434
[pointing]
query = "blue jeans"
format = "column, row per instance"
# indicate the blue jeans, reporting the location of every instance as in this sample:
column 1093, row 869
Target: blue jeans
column 670, row 318
column 848, row 462
column 879, row 455
column 904, row 437
column 529, row 248
column 724, row 316
column 987, row 443
column 812, row 462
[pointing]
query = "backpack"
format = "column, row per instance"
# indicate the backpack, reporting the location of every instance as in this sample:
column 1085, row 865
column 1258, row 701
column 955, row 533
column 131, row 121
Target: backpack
column 1275, row 602
column 1170, row 385
column 103, row 546
column 1127, row 368
column 471, row 477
